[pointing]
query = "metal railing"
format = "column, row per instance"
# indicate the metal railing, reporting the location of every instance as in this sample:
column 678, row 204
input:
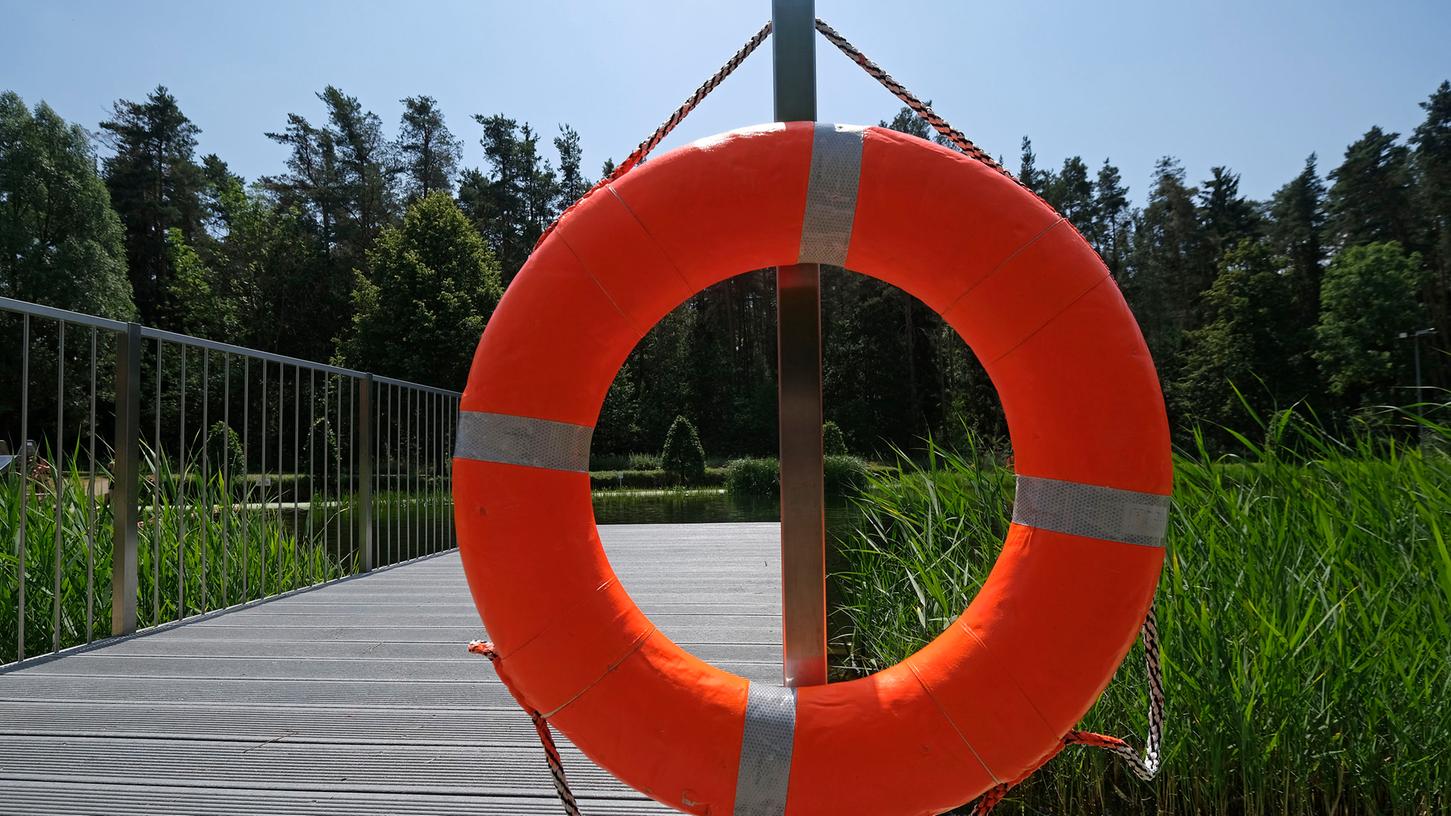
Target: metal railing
column 190, row 476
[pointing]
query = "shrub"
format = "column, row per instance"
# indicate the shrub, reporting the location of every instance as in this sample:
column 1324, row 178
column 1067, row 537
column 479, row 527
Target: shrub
column 845, row 475
column 833, row 442
column 753, row 477
column 683, row 458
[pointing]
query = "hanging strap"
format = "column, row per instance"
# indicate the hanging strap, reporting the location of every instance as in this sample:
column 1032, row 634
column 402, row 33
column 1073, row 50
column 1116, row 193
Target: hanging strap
column 1145, row 767
column 541, row 729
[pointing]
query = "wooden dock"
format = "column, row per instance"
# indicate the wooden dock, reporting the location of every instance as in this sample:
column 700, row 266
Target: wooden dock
column 356, row 697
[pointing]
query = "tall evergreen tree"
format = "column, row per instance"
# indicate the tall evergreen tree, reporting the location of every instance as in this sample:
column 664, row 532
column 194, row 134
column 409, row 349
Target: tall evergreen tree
column 1165, row 275
column 312, row 184
column 1226, row 217
column 1070, row 191
column 154, row 183
column 1371, row 199
column 1296, row 232
column 427, row 151
column 1110, row 222
column 1028, row 173
column 572, row 182
column 515, row 200
column 1432, row 140
column 365, row 174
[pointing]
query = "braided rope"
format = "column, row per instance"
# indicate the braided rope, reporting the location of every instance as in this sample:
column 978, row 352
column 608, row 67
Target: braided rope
column 922, row 109
column 643, row 150
column 1145, row 767
column 541, row 729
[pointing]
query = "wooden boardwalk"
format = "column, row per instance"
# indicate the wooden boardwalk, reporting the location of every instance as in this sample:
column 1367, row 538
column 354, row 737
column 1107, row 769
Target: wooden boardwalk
column 356, row 697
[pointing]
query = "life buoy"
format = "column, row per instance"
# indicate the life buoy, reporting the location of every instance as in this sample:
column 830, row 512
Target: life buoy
column 1019, row 668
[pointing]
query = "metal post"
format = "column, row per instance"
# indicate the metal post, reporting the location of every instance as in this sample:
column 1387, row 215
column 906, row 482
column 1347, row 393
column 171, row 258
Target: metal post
column 126, row 480
column 798, row 343
column 365, row 470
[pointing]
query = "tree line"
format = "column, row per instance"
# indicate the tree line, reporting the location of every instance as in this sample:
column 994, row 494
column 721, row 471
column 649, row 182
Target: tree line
column 389, row 252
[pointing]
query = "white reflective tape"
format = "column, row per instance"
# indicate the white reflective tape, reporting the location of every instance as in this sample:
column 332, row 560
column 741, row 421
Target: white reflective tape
column 1091, row 511
column 831, row 189
column 765, row 767
column 516, row 440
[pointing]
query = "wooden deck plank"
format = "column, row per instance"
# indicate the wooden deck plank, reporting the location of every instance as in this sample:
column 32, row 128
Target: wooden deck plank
column 356, row 697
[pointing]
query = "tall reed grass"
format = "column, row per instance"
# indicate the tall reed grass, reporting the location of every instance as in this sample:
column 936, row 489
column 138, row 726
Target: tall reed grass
column 1305, row 610
column 202, row 545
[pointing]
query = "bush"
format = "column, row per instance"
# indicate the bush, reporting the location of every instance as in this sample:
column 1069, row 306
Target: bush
column 833, row 442
column 845, row 475
column 753, row 477
column 683, row 458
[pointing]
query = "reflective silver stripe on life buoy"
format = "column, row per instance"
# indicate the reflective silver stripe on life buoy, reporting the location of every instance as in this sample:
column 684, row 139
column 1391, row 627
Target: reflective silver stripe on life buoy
column 765, row 767
column 516, row 440
column 831, row 188
column 1091, row 511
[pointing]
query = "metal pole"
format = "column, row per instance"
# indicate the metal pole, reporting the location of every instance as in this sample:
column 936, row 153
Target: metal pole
column 1416, row 355
column 798, row 343
column 124, row 499
column 365, row 470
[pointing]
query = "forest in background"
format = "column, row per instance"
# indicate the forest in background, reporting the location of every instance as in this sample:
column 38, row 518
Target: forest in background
column 388, row 253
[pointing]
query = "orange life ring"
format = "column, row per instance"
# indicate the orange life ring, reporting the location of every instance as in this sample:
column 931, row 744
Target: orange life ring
column 1018, row 669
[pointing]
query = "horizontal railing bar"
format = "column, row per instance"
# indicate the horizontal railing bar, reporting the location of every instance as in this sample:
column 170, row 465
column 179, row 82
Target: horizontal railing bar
column 26, row 307
column 228, row 348
column 415, row 386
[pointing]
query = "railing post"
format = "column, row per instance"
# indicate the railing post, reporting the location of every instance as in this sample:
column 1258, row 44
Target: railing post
column 125, row 500
column 798, row 343
column 364, row 512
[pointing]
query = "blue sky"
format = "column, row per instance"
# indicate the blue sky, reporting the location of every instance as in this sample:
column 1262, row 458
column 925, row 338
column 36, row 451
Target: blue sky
column 1253, row 85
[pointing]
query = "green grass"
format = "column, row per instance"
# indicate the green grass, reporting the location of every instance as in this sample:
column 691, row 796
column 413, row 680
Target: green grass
column 1305, row 610
column 202, row 545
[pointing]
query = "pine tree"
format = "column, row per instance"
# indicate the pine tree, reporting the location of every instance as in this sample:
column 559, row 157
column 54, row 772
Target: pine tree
column 1165, row 277
column 428, row 153
column 1432, row 158
column 154, row 183
column 1028, row 173
column 1225, row 216
column 312, row 184
column 365, row 172
column 1371, row 199
column 1070, row 192
column 1296, row 232
column 572, row 182
column 515, row 200
column 1110, row 222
